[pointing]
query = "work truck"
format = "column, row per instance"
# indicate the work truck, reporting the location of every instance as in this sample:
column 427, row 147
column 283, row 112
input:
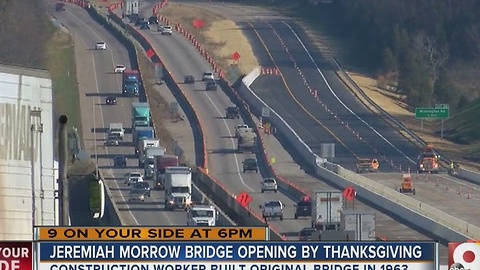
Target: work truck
column 159, row 167
column 149, row 159
column 428, row 160
column 131, row 8
column 142, row 133
column 367, row 165
column 178, row 188
column 116, row 130
column 141, row 116
column 143, row 145
column 247, row 141
column 327, row 208
column 241, row 128
column 131, row 83
column 202, row 215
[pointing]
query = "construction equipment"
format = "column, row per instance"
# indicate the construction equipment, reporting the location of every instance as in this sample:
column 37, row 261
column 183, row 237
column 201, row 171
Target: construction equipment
column 367, row 165
column 428, row 160
column 407, row 184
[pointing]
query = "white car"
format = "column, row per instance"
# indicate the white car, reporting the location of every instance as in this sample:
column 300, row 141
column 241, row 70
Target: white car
column 101, row 46
column 136, row 195
column 119, row 69
column 208, row 76
column 134, row 180
column 167, row 30
column 269, row 184
column 130, row 175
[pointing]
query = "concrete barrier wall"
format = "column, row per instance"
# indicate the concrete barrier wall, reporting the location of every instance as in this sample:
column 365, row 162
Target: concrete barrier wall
column 418, row 214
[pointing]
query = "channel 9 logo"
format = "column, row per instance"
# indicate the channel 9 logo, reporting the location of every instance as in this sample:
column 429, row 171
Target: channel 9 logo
column 464, row 256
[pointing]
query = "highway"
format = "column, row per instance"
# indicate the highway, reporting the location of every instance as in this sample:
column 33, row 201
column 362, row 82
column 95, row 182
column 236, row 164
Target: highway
column 366, row 135
column 182, row 59
column 98, row 81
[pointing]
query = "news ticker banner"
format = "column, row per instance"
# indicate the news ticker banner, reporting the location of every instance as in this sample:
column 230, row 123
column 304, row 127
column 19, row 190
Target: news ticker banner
column 236, row 256
column 151, row 234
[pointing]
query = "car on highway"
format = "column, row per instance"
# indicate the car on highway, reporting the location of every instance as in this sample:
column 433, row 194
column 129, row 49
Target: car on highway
column 269, row 184
column 139, row 21
column 232, row 113
column 208, row 76
column 189, row 79
column 250, row 165
column 119, row 69
column 132, row 174
column 136, row 195
column 167, row 30
column 143, row 186
column 60, row 7
column 111, row 100
column 134, row 180
column 272, row 209
column 153, row 20
column 303, row 208
column 306, row 234
column 120, row 161
column 145, row 25
column 211, row 86
column 100, row 45
column 112, row 140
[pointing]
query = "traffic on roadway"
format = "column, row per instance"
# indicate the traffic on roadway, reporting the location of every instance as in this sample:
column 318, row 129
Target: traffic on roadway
column 101, row 87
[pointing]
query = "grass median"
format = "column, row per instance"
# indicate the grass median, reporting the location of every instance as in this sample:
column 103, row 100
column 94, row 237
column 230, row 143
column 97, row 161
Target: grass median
column 95, row 198
column 61, row 65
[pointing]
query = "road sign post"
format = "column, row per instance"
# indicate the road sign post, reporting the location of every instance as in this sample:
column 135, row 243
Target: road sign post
column 441, row 111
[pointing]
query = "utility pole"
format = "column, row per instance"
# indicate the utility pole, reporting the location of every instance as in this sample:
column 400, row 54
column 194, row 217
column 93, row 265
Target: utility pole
column 64, row 205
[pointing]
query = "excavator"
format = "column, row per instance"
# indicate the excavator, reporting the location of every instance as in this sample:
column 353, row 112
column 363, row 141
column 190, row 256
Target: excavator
column 428, row 160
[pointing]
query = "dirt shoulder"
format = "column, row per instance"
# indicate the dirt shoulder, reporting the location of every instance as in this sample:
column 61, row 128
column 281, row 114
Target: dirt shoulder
column 220, row 37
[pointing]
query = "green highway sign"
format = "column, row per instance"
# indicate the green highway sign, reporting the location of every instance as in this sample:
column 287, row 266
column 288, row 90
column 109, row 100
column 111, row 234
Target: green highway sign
column 432, row 113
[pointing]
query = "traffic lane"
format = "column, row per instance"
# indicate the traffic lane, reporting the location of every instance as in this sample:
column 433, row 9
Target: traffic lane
column 311, row 132
column 298, row 92
column 440, row 191
column 111, row 114
column 222, row 165
column 259, row 51
column 373, row 129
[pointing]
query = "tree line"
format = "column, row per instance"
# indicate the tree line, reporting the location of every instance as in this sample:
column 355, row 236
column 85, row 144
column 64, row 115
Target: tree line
column 429, row 49
column 24, row 30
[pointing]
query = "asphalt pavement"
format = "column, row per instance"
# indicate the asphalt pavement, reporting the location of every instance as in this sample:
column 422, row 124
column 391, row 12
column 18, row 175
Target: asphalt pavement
column 342, row 119
column 182, row 59
column 96, row 81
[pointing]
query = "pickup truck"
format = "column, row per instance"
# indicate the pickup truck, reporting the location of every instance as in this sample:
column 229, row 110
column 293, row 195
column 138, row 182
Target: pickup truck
column 117, row 130
column 272, row 209
column 241, row 128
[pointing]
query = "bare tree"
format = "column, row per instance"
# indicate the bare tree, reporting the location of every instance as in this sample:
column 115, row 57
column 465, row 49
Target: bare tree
column 474, row 34
column 434, row 55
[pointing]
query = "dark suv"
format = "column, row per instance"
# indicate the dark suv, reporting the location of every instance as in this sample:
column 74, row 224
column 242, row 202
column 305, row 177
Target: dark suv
column 143, row 185
column 120, row 161
column 111, row 100
column 211, row 86
column 250, row 165
column 303, row 208
column 153, row 20
column 232, row 113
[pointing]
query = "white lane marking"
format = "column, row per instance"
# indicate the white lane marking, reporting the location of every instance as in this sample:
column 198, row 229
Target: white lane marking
column 339, row 100
column 103, row 121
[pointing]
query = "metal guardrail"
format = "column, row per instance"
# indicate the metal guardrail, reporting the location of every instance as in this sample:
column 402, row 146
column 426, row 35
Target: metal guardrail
column 384, row 113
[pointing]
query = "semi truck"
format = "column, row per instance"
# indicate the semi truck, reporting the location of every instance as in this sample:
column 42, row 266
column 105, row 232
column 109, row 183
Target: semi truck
column 143, row 145
column 130, row 83
column 149, row 159
column 142, row 133
column 141, row 116
column 202, row 215
column 116, row 130
column 178, row 188
column 131, row 8
column 159, row 167
column 428, row 160
column 327, row 208
column 247, row 141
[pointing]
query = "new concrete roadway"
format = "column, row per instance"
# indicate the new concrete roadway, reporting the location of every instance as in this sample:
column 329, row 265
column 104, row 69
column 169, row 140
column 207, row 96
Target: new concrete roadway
column 96, row 81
